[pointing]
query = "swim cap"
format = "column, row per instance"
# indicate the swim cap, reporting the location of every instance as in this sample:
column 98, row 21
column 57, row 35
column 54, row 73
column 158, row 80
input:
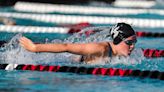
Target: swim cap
column 120, row 32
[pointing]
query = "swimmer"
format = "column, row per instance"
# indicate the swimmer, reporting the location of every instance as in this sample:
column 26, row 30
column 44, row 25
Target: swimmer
column 124, row 39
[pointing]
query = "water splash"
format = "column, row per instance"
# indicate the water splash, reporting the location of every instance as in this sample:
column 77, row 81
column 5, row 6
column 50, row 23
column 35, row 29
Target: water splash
column 100, row 34
column 12, row 52
column 135, row 58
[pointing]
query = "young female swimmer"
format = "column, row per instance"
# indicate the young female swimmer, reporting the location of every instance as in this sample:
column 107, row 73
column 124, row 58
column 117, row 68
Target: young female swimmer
column 124, row 39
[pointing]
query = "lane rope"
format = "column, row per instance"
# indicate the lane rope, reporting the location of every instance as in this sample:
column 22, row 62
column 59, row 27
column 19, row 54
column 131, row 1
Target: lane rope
column 64, row 29
column 84, row 70
column 33, row 29
column 49, row 8
column 74, row 19
column 153, row 53
column 135, row 3
column 149, row 34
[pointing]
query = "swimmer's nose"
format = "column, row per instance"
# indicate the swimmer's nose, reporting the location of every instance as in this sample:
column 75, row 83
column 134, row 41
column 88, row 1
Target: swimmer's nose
column 132, row 47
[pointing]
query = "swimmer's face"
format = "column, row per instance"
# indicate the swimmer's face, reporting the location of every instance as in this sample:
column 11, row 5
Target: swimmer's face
column 126, row 46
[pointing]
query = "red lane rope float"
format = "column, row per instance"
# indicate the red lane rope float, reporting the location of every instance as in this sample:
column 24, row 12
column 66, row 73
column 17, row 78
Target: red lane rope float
column 85, row 70
column 152, row 53
column 74, row 28
column 149, row 34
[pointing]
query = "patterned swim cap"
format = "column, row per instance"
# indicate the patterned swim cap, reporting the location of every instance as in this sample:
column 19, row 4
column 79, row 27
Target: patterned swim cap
column 120, row 32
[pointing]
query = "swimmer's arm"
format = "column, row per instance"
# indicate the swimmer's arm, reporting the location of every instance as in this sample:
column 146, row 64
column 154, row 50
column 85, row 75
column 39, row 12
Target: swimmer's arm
column 81, row 49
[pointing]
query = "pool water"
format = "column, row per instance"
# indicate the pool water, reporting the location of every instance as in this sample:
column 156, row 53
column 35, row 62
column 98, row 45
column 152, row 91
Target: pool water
column 26, row 81
column 33, row 81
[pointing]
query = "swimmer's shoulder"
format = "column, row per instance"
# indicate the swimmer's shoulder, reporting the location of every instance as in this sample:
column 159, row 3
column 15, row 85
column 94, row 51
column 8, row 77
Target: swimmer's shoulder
column 105, row 48
column 105, row 44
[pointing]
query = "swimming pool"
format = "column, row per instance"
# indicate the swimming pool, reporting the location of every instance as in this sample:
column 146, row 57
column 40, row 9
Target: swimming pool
column 33, row 81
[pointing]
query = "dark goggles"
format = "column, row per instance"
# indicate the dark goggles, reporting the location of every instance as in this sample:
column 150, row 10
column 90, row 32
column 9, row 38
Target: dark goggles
column 131, row 42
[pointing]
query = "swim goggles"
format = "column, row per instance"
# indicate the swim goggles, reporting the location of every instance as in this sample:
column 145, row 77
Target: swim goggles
column 131, row 42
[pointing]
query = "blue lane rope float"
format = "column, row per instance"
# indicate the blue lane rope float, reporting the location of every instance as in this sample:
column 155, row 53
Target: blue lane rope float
column 84, row 70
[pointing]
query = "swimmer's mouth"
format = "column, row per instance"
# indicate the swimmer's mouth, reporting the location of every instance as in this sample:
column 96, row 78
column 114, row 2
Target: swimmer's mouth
column 129, row 54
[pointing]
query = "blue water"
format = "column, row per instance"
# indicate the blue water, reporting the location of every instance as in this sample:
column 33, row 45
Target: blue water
column 26, row 81
column 33, row 81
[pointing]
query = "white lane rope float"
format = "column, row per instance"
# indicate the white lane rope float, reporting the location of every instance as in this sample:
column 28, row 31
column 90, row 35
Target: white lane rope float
column 135, row 3
column 33, row 29
column 49, row 8
column 73, row 19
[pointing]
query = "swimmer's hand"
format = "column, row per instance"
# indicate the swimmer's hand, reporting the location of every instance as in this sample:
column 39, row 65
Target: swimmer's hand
column 27, row 44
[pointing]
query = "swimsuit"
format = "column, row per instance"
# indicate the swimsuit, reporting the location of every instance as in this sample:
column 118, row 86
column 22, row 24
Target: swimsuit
column 110, row 50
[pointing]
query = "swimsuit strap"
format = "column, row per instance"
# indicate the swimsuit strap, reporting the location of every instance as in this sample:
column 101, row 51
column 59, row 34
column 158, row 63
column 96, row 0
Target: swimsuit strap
column 110, row 50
